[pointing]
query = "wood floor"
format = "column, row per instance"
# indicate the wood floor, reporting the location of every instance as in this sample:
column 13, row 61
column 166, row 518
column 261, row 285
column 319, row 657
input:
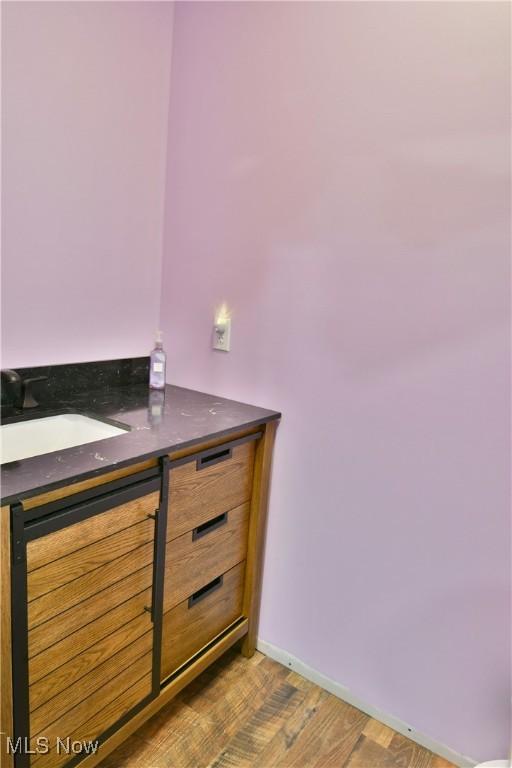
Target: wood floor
column 254, row 712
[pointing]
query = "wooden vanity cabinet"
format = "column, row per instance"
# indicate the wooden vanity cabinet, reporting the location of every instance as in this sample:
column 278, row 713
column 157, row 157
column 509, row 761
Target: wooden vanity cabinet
column 123, row 593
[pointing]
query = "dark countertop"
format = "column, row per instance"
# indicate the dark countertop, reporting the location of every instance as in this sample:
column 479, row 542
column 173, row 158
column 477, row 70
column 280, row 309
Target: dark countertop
column 186, row 418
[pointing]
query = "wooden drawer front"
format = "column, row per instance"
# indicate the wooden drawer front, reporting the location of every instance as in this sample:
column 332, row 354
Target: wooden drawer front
column 193, row 562
column 200, row 490
column 194, row 623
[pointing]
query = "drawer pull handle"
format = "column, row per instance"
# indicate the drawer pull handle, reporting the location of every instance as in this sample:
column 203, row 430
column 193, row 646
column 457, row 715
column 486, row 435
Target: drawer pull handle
column 205, row 591
column 209, row 526
column 214, row 458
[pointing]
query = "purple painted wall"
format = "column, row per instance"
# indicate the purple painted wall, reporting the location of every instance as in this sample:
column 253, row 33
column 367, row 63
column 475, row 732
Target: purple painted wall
column 85, row 94
column 338, row 175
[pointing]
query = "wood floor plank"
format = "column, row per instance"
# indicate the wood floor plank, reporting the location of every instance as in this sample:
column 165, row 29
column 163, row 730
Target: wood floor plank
column 329, row 740
column 182, row 745
column 367, row 753
column 232, row 696
column 200, row 704
column 133, row 751
column 256, row 713
column 279, row 748
column 378, row 732
column 400, row 753
column 440, row 762
column 409, row 753
column 300, row 682
column 248, row 742
column 230, row 699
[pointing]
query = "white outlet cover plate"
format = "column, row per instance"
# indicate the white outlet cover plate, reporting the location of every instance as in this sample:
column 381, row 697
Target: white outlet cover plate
column 222, row 341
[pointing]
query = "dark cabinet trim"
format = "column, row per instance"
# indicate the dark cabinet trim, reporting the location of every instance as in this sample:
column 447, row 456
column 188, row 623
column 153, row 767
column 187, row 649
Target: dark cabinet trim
column 75, row 513
column 19, row 634
column 95, row 492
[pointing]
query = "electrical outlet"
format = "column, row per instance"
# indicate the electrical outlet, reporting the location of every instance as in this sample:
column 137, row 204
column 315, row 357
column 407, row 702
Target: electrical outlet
column 222, row 334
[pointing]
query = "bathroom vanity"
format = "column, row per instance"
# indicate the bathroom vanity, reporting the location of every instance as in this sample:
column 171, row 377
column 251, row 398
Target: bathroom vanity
column 123, row 581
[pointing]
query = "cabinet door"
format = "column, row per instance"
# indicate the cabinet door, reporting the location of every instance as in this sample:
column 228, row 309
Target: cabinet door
column 92, row 614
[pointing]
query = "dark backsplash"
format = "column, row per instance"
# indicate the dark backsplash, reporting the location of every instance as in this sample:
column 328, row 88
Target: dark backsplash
column 64, row 380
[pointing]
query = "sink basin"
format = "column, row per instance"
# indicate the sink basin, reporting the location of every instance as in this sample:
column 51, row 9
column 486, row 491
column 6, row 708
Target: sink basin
column 52, row 433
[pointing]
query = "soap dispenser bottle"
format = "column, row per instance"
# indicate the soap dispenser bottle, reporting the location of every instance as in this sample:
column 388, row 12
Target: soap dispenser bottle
column 157, row 364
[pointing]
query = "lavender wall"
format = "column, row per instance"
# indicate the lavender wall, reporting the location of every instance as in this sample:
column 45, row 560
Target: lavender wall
column 85, row 93
column 338, row 174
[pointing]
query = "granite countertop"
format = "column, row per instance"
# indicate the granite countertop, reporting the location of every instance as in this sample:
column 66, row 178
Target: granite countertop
column 159, row 423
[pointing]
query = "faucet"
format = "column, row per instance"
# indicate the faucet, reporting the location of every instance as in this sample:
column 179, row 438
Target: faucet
column 23, row 397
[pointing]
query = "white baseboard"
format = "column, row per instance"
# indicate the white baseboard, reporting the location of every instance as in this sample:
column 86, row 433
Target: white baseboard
column 295, row 664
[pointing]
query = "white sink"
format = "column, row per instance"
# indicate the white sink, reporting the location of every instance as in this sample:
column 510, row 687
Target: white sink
column 52, row 433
